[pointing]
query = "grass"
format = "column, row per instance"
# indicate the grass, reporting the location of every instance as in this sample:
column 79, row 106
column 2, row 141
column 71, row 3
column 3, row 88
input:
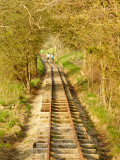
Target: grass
column 22, row 99
column 82, row 82
column 2, row 132
column 72, row 69
column 5, row 145
column 68, row 61
column 4, row 115
column 8, row 119
column 40, row 67
column 35, row 82
column 12, row 122
column 10, row 92
column 3, row 103
column 105, row 118
column 73, row 56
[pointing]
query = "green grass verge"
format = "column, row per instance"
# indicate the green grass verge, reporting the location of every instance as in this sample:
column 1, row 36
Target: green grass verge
column 40, row 67
column 72, row 68
column 35, row 82
column 105, row 118
column 71, row 57
column 4, row 115
column 10, row 92
column 69, row 61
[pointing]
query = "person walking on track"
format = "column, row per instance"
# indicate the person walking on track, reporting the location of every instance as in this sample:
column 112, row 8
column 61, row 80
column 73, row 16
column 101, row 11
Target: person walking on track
column 52, row 57
column 48, row 56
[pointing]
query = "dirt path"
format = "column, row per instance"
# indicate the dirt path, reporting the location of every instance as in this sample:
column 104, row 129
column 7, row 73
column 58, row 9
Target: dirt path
column 24, row 148
column 32, row 127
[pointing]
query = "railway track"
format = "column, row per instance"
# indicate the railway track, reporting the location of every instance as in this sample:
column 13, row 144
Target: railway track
column 62, row 136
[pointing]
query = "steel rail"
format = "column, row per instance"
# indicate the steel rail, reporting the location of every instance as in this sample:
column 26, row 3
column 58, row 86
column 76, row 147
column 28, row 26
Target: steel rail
column 49, row 136
column 76, row 138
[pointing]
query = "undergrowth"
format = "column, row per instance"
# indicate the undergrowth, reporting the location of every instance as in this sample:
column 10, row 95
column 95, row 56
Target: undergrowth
column 14, row 107
column 10, row 92
column 105, row 118
column 35, row 82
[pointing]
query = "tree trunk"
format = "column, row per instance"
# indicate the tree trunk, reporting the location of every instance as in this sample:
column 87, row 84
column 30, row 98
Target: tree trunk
column 28, row 76
column 110, row 98
column 103, row 85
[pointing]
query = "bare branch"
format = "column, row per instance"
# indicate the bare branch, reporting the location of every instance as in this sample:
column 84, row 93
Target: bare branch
column 47, row 4
column 40, row 10
column 29, row 15
column 4, row 26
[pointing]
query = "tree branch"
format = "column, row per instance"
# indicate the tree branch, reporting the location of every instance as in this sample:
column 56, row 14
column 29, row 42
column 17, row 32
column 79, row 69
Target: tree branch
column 30, row 17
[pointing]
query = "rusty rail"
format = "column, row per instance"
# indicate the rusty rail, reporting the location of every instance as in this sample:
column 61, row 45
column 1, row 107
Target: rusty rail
column 76, row 138
column 49, row 136
column 73, row 128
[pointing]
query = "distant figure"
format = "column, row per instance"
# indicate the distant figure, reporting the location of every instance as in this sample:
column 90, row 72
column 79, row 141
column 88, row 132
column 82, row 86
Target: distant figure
column 48, row 56
column 52, row 57
column 41, row 51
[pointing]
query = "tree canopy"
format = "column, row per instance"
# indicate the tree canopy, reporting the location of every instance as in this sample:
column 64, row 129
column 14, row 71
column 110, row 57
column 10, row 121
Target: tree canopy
column 88, row 25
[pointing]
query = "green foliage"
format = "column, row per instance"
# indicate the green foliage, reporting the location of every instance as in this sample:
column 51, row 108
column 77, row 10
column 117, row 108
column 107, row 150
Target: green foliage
column 40, row 67
column 3, row 103
column 65, row 57
column 93, row 50
column 20, row 134
column 2, row 132
column 22, row 99
column 35, row 82
column 12, row 122
column 28, row 107
column 82, row 82
column 105, row 118
column 72, row 69
column 73, row 56
column 4, row 115
column 6, row 145
column 10, row 92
